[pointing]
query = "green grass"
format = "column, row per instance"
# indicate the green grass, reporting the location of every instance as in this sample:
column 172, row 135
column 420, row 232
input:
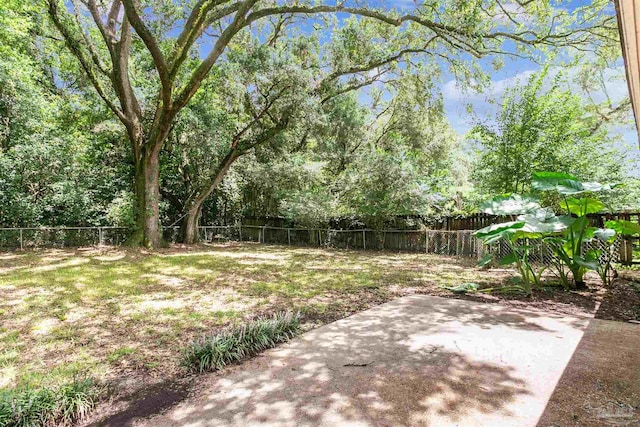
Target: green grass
column 116, row 355
column 214, row 352
column 114, row 312
column 47, row 406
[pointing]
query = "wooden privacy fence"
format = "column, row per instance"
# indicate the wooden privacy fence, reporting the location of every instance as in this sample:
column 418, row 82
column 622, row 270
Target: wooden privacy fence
column 461, row 243
column 480, row 220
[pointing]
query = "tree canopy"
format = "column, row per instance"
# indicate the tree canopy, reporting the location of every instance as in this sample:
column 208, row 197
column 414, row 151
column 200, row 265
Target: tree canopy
column 142, row 112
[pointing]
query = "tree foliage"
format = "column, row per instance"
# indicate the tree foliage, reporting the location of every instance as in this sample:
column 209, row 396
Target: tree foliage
column 540, row 128
column 133, row 113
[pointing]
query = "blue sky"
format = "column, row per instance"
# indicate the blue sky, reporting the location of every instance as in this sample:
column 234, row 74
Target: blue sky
column 517, row 71
column 456, row 103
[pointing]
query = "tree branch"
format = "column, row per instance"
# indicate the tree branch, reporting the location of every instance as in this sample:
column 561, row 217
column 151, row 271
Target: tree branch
column 258, row 117
column 238, row 23
column 152, row 45
column 195, row 25
column 74, row 46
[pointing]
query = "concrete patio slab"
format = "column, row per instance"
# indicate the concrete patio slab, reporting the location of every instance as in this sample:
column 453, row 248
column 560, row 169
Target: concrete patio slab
column 416, row 361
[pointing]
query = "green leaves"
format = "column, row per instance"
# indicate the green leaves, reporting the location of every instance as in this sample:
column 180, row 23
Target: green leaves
column 588, row 262
column 513, row 204
column 625, row 228
column 463, row 288
column 605, row 234
column 549, row 181
column 566, row 185
column 536, row 225
column 565, row 235
column 495, row 232
column 534, row 222
column 237, row 343
column 512, row 258
column 584, row 206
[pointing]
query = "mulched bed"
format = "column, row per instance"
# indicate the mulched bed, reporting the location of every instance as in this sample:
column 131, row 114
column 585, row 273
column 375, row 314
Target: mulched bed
column 622, row 300
column 618, row 302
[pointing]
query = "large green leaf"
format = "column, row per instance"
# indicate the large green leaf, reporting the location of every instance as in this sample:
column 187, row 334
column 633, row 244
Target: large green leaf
column 584, row 206
column 565, row 184
column 543, row 222
column 587, row 262
column 604, row 234
column 462, row 288
column 498, row 230
column 580, row 226
column 512, row 258
column 510, row 205
column 549, row 181
column 552, row 177
column 597, row 187
column 625, row 228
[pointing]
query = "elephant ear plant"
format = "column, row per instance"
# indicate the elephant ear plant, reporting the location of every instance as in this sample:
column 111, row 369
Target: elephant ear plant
column 565, row 234
column 530, row 222
column 569, row 247
column 608, row 237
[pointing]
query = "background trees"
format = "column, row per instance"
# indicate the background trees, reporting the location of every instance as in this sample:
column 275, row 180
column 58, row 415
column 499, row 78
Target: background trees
column 127, row 113
column 60, row 164
column 184, row 41
column 544, row 125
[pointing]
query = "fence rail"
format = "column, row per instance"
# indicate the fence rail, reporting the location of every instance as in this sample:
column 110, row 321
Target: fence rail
column 461, row 243
column 444, row 242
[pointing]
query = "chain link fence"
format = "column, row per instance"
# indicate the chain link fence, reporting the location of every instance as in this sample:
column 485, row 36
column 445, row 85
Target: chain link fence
column 460, row 243
column 62, row 237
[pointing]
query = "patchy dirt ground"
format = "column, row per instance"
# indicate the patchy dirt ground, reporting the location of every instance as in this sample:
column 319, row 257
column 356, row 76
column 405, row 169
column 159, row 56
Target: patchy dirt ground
column 123, row 316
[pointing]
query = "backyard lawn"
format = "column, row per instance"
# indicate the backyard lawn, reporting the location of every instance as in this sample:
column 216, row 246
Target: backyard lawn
column 123, row 316
column 111, row 312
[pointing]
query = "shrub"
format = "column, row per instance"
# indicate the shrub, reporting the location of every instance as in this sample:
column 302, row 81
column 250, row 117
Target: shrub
column 240, row 342
column 47, row 406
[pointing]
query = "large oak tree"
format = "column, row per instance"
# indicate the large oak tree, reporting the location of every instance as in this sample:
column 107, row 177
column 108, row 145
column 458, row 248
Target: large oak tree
column 185, row 39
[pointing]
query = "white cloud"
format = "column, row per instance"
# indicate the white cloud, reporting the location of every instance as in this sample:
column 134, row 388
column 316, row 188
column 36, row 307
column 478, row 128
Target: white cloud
column 452, row 91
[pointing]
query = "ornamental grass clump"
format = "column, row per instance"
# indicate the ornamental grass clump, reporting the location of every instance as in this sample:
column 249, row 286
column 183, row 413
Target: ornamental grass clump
column 213, row 353
column 64, row 405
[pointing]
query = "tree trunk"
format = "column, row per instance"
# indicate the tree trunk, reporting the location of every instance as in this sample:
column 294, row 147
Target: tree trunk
column 190, row 225
column 190, row 222
column 147, row 191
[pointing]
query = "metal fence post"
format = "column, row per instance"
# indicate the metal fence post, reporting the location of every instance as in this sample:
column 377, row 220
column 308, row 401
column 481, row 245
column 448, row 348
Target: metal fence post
column 364, row 239
column 101, row 236
column 426, row 241
column 289, row 236
column 21, row 241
